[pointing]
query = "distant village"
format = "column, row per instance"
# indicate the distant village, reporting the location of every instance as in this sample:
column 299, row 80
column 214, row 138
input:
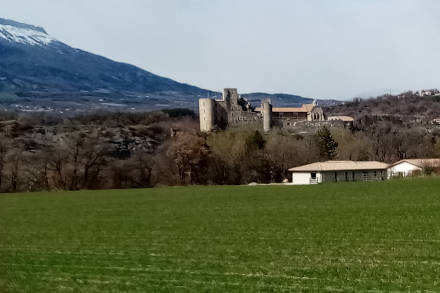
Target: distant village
column 428, row 93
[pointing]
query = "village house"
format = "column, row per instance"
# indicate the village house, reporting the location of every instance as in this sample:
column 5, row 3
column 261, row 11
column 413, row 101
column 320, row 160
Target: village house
column 347, row 120
column 409, row 167
column 340, row 118
column 339, row 171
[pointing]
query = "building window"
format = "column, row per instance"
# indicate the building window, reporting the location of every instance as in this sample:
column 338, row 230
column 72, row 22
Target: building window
column 313, row 175
column 365, row 175
column 346, row 176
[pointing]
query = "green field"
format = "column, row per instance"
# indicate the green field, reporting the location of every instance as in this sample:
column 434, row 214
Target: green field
column 346, row 237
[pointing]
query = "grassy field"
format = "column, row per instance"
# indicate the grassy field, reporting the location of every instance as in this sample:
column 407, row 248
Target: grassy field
column 346, row 237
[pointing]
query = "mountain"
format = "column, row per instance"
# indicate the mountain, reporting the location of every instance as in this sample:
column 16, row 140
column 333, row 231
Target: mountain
column 38, row 68
column 40, row 73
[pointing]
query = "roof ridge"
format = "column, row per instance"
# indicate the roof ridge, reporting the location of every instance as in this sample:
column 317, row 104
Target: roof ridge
column 333, row 165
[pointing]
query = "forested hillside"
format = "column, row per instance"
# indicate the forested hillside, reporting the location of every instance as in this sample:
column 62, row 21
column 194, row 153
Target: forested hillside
column 406, row 107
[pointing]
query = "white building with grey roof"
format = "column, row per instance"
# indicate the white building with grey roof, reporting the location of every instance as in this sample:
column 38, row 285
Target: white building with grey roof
column 409, row 167
column 339, row 171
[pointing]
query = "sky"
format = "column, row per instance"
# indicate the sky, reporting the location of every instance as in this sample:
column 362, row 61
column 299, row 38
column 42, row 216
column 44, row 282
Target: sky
column 315, row 48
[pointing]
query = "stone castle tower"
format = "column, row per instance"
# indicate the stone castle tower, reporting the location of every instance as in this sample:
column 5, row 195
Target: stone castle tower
column 206, row 114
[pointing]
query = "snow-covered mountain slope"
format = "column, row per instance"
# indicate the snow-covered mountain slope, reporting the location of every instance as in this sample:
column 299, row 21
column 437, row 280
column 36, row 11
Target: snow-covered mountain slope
column 30, row 55
column 16, row 32
column 24, row 36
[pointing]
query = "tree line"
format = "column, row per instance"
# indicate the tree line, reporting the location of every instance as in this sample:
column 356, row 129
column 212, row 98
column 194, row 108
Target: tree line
column 138, row 150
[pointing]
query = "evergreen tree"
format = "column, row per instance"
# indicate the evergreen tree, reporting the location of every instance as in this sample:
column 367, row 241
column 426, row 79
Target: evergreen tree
column 327, row 144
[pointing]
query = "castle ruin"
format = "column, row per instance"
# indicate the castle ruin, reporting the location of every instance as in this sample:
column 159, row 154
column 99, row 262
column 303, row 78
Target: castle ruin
column 233, row 111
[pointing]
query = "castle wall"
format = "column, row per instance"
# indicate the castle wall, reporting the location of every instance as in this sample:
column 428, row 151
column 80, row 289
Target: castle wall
column 306, row 126
column 238, row 118
column 233, row 111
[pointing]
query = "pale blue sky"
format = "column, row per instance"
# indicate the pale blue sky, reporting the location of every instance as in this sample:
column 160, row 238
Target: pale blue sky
column 322, row 48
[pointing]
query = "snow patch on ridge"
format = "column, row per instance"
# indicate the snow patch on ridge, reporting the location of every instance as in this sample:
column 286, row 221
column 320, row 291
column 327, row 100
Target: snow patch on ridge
column 24, row 36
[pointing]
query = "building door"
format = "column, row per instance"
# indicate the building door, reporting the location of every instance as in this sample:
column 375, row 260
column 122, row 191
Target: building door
column 313, row 178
